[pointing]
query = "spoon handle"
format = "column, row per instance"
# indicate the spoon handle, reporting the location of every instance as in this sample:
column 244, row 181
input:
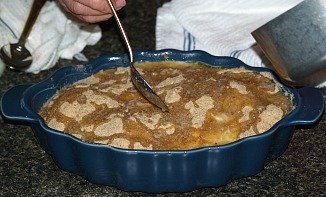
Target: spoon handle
column 139, row 82
column 123, row 32
column 33, row 14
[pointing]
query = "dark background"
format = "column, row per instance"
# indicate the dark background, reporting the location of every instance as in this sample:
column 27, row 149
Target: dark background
column 26, row 170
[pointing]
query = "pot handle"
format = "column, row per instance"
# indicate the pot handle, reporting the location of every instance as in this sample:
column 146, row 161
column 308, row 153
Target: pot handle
column 11, row 105
column 311, row 109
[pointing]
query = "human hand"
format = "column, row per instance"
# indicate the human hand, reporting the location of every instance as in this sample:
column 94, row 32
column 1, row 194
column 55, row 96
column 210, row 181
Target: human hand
column 91, row 11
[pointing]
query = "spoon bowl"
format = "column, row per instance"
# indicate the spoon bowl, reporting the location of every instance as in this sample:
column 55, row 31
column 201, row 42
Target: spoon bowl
column 16, row 56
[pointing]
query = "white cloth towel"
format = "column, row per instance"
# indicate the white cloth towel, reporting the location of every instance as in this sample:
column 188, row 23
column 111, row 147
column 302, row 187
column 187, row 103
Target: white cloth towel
column 219, row 27
column 54, row 35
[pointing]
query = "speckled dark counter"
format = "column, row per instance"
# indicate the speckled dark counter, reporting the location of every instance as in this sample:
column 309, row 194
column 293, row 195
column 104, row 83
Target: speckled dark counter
column 26, row 170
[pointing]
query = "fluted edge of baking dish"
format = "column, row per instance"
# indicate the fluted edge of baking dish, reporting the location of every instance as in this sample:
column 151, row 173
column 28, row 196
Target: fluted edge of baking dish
column 149, row 170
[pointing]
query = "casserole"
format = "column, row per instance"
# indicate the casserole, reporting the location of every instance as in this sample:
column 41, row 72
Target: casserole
column 157, row 171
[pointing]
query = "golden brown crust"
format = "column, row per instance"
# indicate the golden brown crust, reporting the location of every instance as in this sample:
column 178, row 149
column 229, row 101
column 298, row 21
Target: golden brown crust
column 208, row 106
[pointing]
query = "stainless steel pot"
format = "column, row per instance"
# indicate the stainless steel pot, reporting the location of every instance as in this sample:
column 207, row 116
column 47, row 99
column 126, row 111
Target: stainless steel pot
column 295, row 43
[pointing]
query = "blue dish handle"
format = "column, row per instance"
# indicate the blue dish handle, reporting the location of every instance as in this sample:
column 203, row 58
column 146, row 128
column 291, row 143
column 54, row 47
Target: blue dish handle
column 311, row 108
column 11, row 105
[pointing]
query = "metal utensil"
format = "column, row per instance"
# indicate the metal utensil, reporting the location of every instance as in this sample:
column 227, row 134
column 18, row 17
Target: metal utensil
column 16, row 55
column 139, row 82
column 295, row 43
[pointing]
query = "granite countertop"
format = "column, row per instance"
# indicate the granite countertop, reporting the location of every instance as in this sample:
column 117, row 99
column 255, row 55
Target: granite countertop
column 26, row 170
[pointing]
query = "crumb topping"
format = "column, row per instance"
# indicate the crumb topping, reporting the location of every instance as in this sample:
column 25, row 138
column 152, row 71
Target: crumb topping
column 112, row 126
column 76, row 110
column 198, row 111
column 241, row 88
column 208, row 106
column 269, row 117
column 246, row 113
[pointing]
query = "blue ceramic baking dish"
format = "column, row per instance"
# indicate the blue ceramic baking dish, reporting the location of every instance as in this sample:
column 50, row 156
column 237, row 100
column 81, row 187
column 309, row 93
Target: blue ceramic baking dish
column 156, row 171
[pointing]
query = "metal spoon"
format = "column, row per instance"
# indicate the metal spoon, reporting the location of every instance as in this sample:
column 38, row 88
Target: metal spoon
column 139, row 82
column 16, row 55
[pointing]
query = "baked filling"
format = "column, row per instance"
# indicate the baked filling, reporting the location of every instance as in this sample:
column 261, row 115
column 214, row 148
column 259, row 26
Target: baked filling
column 208, row 106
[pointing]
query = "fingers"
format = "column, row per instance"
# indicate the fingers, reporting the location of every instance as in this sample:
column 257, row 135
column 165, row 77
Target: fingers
column 91, row 10
column 94, row 19
column 102, row 6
